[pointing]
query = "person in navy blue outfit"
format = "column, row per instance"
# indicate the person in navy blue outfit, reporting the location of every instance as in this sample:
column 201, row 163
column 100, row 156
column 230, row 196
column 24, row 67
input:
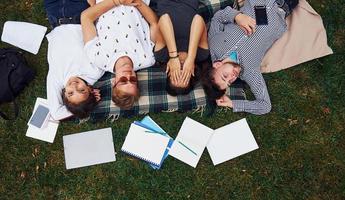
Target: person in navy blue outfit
column 65, row 11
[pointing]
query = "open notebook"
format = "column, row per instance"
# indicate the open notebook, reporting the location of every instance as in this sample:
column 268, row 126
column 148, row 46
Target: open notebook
column 190, row 142
column 231, row 141
column 222, row 144
column 46, row 133
column 142, row 144
column 148, row 123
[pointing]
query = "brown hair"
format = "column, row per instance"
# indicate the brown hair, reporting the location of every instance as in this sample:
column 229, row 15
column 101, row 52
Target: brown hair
column 174, row 91
column 124, row 100
column 211, row 89
column 82, row 109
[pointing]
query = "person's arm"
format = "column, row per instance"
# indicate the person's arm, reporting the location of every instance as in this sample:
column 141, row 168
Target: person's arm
column 146, row 12
column 56, row 107
column 90, row 15
column 225, row 16
column 152, row 20
column 230, row 15
column 262, row 103
column 197, row 29
column 167, row 30
column 91, row 2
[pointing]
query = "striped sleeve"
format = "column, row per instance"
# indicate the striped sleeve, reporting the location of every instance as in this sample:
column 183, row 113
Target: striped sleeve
column 225, row 16
column 262, row 103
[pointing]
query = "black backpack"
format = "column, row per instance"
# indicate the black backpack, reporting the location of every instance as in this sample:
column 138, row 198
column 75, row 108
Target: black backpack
column 14, row 76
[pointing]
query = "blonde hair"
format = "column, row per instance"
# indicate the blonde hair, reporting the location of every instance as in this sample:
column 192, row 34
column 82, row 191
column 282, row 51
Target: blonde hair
column 123, row 99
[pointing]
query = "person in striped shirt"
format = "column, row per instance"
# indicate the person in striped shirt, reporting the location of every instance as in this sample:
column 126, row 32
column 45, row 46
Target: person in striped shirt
column 237, row 46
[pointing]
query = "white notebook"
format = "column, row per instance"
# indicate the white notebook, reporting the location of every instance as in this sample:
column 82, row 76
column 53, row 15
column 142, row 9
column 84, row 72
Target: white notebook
column 190, row 142
column 24, row 35
column 89, row 148
column 144, row 145
column 46, row 133
column 231, row 141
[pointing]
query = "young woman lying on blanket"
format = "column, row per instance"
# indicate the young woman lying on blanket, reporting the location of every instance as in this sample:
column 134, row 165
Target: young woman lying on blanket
column 70, row 75
column 185, row 42
column 237, row 47
column 121, row 42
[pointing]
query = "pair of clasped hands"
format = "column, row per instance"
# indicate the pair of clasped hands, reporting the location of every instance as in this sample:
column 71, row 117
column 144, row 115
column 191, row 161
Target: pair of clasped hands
column 179, row 69
column 127, row 2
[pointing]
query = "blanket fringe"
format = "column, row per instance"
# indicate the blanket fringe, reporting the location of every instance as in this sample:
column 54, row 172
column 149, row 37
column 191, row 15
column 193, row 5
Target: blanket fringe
column 144, row 113
column 170, row 110
column 113, row 117
column 81, row 121
column 223, row 109
column 200, row 109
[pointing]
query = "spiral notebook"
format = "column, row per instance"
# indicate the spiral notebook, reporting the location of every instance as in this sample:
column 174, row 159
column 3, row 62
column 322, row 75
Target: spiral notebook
column 145, row 146
column 148, row 123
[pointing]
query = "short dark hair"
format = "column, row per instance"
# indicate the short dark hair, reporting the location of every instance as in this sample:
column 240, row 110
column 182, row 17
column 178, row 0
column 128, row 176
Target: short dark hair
column 82, row 109
column 211, row 89
column 174, row 91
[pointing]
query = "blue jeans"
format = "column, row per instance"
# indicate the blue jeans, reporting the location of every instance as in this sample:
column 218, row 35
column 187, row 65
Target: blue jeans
column 61, row 9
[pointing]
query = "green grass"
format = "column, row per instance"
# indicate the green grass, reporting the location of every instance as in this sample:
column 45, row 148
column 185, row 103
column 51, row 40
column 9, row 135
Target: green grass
column 301, row 154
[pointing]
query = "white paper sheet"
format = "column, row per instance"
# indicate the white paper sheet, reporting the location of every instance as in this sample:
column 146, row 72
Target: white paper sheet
column 24, row 35
column 46, row 133
column 231, row 141
column 190, row 142
column 89, row 148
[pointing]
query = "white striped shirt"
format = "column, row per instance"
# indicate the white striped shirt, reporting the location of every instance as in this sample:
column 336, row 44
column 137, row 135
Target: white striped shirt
column 225, row 36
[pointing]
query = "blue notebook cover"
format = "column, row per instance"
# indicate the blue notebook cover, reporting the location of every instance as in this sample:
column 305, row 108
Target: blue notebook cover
column 148, row 123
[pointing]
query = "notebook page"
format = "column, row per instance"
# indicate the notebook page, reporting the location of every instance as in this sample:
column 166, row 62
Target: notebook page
column 46, row 133
column 89, row 148
column 151, row 124
column 146, row 146
column 231, row 141
column 24, row 35
column 190, row 142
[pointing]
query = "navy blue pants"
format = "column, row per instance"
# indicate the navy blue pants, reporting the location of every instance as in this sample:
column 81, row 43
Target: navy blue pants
column 67, row 11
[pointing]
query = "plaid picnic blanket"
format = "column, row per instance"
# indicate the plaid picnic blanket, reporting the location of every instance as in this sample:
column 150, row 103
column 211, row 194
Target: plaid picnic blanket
column 207, row 8
column 152, row 83
column 153, row 96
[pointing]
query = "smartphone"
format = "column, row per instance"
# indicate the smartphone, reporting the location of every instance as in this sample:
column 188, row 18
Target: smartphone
column 40, row 117
column 260, row 15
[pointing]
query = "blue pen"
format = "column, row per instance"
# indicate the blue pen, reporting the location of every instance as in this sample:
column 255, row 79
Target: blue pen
column 185, row 146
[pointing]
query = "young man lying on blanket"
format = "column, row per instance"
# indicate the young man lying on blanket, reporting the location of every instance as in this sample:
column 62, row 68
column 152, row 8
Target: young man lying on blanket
column 70, row 74
column 121, row 42
column 237, row 47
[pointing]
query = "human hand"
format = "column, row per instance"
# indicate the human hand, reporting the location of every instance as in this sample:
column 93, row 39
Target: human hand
column 126, row 2
column 246, row 23
column 137, row 3
column 97, row 94
column 224, row 101
column 188, row 70
column 173, row 68
column 91, row 2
